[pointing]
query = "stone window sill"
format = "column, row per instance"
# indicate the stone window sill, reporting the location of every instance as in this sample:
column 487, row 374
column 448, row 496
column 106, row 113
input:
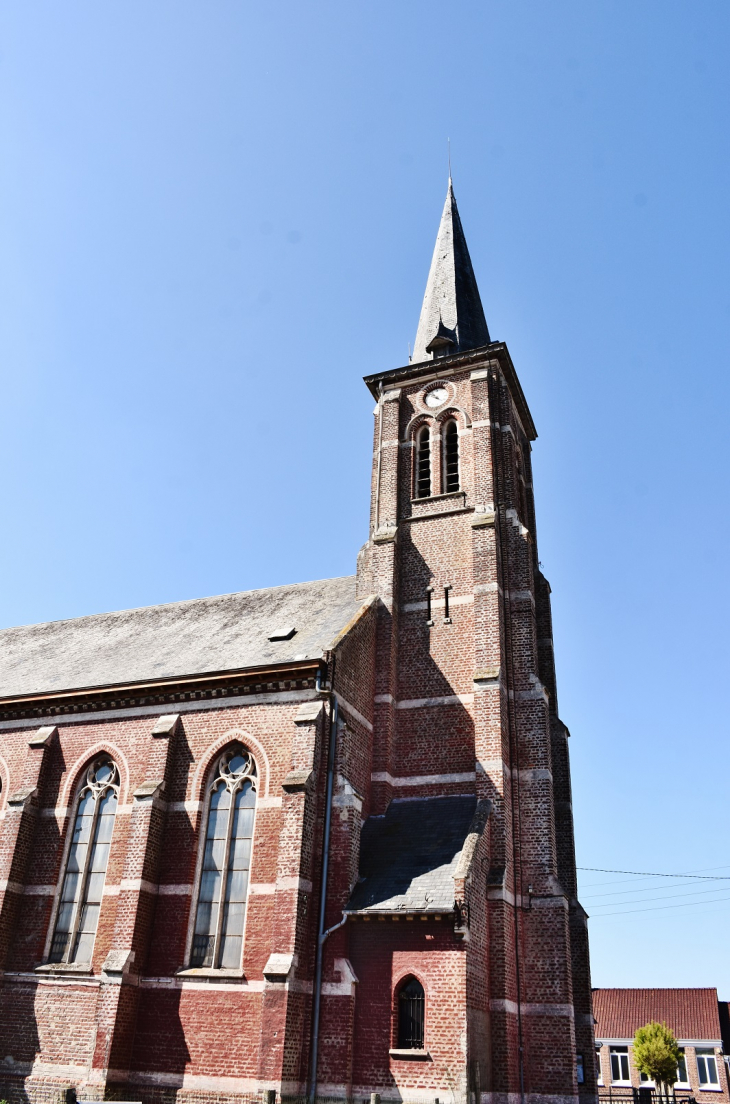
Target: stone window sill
column 411, row 1055
column 453, row 502
column 437, row 498
column 440, row 497
column 85, row 969
column 208, row 972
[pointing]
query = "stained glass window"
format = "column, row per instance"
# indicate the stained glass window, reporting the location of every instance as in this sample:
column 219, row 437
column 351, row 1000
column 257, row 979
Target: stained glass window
column 221, row 907
column 88, row 856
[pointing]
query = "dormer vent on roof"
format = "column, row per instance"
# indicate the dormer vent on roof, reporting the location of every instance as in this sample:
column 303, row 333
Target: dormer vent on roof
column 284, row 633
column 452, row 317
column 443, row 344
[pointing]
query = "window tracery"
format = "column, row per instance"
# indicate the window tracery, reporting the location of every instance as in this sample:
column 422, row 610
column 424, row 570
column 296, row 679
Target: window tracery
column 222, row 892
column 88, row 856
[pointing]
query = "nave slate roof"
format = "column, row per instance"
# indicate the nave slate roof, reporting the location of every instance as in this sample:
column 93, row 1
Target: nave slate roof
column 206, row 635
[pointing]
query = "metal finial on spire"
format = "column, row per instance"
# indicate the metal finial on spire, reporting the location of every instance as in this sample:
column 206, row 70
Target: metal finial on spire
column 449, row 145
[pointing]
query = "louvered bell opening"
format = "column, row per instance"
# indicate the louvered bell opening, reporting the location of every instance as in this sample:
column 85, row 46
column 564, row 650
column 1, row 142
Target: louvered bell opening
column 451, row 457
column 423, row 463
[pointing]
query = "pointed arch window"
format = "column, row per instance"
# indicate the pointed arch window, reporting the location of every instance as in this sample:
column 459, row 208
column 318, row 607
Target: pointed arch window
column 423, row 462
column 411, row 1015
column 88, row 856
column 451, row 457
column 221, row 905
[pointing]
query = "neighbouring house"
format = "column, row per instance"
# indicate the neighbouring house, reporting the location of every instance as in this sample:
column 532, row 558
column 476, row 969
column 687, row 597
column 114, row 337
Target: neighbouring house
column 694, row 1015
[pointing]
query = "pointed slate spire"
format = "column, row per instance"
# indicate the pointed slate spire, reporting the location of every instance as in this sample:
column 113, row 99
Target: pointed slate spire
column 452, row 317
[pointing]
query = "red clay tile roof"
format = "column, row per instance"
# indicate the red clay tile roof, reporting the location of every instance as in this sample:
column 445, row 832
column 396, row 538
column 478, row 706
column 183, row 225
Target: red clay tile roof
column 689, row 1013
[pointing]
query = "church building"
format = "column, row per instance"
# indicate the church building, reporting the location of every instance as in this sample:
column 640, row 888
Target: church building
column 313, row 842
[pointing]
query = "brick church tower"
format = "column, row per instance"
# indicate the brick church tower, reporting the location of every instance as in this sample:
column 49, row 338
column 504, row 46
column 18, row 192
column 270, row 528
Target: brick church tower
column 314, row 840
column 466, row 704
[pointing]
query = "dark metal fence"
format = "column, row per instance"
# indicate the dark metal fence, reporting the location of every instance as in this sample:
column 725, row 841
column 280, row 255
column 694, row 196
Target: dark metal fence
column 629, row 1095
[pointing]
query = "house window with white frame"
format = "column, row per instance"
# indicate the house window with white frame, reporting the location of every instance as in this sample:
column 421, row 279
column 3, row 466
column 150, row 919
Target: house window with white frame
column 620, row 1072
column 707, row 1068
column 682, row 1077
column 223, row 887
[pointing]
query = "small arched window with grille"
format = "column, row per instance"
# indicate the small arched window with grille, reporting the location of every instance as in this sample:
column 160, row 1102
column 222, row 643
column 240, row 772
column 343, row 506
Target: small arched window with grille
column 83, row 882
column 221, row 905
column 411, row 1015
column 451, row 457
column 423, row 462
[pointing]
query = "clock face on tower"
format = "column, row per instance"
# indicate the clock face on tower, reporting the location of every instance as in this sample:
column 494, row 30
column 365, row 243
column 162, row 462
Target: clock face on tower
column 436, row 397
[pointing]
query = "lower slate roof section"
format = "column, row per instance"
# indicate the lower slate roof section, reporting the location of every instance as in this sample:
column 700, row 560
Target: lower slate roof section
column 689, row 1013
column 203, row 636
column 408, row 858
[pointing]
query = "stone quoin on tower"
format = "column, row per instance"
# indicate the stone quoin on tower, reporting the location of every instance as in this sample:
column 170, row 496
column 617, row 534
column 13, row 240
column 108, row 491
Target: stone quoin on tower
column 315, row 840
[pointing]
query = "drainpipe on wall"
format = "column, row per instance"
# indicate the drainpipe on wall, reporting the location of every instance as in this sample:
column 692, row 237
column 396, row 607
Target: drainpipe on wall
column 322, row 935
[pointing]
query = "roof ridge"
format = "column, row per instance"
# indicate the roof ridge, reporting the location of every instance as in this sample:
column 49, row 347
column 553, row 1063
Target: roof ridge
column 179, row 602
column 655, row 988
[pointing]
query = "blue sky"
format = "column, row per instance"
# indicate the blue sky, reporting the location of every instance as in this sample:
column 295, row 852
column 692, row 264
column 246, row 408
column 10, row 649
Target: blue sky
column 215, row 218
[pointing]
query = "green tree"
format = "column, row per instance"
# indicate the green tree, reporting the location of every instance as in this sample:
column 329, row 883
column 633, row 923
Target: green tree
column 656, row 1054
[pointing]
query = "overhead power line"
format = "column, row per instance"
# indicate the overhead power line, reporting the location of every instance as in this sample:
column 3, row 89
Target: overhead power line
column 654, row 874
column 641, row 889
column 685, row 904
column 664, row 897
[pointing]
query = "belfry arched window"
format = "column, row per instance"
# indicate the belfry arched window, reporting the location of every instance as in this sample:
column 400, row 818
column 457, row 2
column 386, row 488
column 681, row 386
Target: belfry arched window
column 83, row 882
column 221, row 906
column 411, row 1015
column 450, row 481
column 423, row 462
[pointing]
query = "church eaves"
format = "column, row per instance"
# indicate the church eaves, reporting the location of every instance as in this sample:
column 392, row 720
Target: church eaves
column 452, row 317
column 178, row 639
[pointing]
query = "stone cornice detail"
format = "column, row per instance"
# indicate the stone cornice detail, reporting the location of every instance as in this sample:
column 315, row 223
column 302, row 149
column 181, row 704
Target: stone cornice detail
column 181, row 688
